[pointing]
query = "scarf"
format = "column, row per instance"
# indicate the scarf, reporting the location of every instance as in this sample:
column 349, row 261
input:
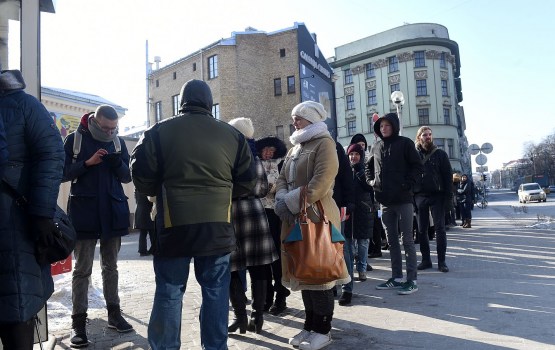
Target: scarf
column 97, row 133
column 309, row 132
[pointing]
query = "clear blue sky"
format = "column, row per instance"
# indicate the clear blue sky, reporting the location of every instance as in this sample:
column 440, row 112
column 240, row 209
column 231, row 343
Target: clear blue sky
column 505, row 46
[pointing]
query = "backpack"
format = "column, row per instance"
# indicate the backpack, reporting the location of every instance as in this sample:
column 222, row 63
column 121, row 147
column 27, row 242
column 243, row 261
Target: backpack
column 77, row 144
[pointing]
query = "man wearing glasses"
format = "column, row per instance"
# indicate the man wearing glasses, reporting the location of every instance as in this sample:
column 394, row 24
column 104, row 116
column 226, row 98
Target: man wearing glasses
column 97, row 163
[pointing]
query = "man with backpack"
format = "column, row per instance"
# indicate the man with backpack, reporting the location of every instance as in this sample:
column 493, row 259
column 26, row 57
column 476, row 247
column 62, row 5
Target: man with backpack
column 433, row 193
column 97, row 163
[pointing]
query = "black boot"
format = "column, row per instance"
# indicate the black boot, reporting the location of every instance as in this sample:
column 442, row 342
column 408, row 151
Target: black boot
column 259, row 289
column 280, row 304
column 116, row 321
column 269, row 296
column 238, row 301
column 79, row 331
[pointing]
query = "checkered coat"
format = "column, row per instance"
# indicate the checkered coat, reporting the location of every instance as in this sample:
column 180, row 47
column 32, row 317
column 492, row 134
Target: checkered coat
column 255, row 245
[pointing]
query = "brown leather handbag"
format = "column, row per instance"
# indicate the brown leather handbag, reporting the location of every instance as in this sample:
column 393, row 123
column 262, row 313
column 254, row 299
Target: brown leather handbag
column 314, row 250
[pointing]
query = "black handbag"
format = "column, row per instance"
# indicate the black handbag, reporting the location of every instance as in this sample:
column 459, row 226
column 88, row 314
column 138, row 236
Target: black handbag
column 64, row 237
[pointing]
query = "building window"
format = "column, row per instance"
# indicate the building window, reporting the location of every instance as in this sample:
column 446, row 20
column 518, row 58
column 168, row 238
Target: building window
column 175, row 104
column 419, row 59
column 282, row 54
column 394, row 87
column 194, row 67
column 174, row 75
column 291, row 129
column 444, row 90
column 446, row 116
column 277, row 87
column 372, row 97
column 370, row 73
column 279, row 132
column 423, row 116
column 212, row 67
column 158, row 111
column 216, row 110
column 450, row 149
column 348, row 76
column 440, row 143
column 421, row 89
column 291, row 84
column 351, row 127
column 393, row 64
column 350, row 101
column 157, row 83
column 442, row 61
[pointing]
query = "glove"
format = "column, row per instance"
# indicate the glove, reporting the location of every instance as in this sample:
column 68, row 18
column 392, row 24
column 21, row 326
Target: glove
column 43, row 229
column 284, row 213
column 113, row 160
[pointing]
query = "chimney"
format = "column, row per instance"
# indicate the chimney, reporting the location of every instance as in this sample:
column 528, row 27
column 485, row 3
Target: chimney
column 157, row 60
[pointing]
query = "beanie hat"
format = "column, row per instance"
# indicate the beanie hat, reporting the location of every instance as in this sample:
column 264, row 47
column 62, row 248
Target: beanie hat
column 355, row 147
column 360, row 138
column 244, row 126
column 312, row 111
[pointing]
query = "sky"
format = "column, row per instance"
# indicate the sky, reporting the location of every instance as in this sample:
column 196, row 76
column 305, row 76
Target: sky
column 98, row 47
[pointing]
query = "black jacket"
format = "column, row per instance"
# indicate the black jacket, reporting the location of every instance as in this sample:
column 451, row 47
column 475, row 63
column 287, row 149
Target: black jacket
column 343, row 192
column 360, row 223
column 437, row 178
column 394, row 165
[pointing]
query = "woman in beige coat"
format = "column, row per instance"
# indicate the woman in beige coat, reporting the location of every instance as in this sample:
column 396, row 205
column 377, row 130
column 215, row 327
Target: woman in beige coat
column 313, row 163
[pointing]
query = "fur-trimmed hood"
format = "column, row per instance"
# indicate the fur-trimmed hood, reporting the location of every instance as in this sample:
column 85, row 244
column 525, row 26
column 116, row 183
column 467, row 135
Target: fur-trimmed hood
column 271, row 141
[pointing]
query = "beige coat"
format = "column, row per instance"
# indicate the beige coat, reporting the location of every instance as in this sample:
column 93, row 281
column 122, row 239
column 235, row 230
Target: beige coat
column 313, row 164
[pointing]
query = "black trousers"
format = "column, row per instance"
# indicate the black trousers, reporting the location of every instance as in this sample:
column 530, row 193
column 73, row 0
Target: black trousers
column 17, row 336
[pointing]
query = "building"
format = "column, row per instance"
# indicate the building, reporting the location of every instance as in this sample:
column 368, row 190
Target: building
column 252, row 74
column 420, row 61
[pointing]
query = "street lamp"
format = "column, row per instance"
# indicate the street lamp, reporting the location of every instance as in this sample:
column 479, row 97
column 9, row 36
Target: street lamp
column 399, row 100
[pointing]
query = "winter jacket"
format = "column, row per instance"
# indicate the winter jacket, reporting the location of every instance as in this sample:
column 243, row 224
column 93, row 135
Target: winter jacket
column 142, row 212
column 97, row 204
column 361, row 221
column 464, row 192
column 437, row 178
column 343, row 190
column 312, row 164
column 34, row 168
column 271, row 166
column 194, row 164
column 394, row 165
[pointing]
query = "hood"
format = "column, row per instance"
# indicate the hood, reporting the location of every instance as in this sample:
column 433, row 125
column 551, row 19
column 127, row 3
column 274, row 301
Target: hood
column 357, row 138
column 11, row 81
column 195, row 93
column 84, row 124
column 393, row 119
column 272, row 141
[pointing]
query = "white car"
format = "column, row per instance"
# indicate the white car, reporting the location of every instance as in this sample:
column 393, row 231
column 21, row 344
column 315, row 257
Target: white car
column 531, row 192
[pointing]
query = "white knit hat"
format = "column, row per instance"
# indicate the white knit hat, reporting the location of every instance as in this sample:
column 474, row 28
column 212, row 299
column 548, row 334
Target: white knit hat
column 244, row 126
column 312, row 111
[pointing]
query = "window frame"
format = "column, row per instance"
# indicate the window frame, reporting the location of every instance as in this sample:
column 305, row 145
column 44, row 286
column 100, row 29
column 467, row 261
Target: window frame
column 443, row 61
column 348, row 76
column 444, row 88
column 350, row 102
column 371, row 99
column 158, row 111
column 446, row 116
column 424, row 118
column 277, row 87
column 216, row 111
column 419, row 59
column 175, row 104
column 421, row 87
column 351, row 125
column 392, row 64
column 394, row 87
column 291, row 88
column 213, row 67
column 370, row 71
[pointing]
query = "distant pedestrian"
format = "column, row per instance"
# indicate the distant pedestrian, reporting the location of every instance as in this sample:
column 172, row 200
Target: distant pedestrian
column 392, row 170
column 432, row 193
column 32, row 146
column 194, row 164
column 99, row 211
column 144, row 223
column 464, row 199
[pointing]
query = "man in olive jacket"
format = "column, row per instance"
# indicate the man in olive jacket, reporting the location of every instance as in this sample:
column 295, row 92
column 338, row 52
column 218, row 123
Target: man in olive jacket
column 392, row 170
column 194, row 164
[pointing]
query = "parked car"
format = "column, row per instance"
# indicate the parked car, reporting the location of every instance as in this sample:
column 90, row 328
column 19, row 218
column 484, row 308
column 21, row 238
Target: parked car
column 531, row 191
column 551, row 189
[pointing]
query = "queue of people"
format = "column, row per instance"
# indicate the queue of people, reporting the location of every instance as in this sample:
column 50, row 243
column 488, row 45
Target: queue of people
column 227, row 209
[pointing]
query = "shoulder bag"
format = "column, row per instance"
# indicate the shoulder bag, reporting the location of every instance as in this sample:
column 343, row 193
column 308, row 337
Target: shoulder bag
column 314, row 250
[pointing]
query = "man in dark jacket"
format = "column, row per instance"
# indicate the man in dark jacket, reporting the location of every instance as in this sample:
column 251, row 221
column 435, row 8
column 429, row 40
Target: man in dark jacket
column 194, row 164
column 98, row 210
column 392, row 170
column 34, row 151
column 432, row 193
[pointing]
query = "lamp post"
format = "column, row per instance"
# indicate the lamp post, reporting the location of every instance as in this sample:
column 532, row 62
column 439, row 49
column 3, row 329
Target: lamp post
column 399, row 100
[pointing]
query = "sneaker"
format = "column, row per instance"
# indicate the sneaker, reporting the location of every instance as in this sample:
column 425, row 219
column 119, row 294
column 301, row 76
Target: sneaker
column 362, row 276
column 409, row 287
column 390, row 284
column 315, row 341
column 296, row 340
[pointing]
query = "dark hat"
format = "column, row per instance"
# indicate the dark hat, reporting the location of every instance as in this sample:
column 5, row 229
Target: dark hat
column 196, row 93
column 355, row 147
column 360, row 138
column 393, row 119
column 272, row 141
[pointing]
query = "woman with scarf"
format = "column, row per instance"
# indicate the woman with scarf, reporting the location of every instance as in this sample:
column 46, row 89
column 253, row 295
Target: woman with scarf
column 313, row 163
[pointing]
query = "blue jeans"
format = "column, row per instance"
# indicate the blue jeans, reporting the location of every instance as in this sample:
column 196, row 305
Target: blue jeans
column 348, row 256
column 212, row 273
column 361, row 246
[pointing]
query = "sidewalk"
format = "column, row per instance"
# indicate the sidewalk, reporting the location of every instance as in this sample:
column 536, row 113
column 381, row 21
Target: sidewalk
column 498, row 295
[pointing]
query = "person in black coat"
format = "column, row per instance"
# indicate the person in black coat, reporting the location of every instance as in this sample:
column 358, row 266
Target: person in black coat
column 144, row 223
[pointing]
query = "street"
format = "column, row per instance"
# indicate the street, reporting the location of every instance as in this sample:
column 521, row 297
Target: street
column 498, row 295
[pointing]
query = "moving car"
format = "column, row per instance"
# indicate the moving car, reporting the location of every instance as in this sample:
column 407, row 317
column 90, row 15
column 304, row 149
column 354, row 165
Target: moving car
column 552, row 189
column 531, row 191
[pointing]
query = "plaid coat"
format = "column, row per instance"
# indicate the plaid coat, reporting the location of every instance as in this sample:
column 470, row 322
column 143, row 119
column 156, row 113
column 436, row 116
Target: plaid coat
column 255, row 245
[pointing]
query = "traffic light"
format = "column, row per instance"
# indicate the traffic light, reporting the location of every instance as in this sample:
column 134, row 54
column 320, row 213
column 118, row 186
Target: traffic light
column 485, row 177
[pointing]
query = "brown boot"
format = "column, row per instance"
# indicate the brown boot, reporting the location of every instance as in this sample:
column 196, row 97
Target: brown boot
column 468, row 223
column 464, row 223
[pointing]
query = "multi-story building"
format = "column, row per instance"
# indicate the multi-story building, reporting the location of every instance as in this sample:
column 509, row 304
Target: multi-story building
column 253, row 74
column 420, row 61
